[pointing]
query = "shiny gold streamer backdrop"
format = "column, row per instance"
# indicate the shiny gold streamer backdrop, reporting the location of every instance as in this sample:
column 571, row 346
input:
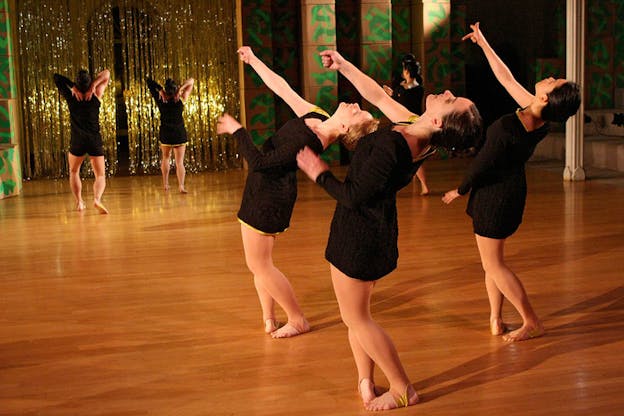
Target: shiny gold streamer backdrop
column 55, row 36
column 161, row 39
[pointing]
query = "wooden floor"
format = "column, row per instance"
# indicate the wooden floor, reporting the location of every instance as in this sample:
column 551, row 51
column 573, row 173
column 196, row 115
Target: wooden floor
column 151, row 310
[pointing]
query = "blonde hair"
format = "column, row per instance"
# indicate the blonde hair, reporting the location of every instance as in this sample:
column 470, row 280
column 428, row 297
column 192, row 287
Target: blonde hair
column 357, row 131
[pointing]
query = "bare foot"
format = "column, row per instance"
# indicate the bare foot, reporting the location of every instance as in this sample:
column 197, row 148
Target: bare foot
column 366, row 388
column 166, row 188
column 390, row 400
column 424, row 191
column 290, row 330
column 497, row 326
column 270, row 325
column 101, row 208
column 183, row 191
column 524, row 333
column 81, row 206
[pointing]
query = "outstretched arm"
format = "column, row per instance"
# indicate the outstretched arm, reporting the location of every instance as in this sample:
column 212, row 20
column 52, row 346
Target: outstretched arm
column 276, row 83
column 186, row 88
column 501, row 71
column 368, row 87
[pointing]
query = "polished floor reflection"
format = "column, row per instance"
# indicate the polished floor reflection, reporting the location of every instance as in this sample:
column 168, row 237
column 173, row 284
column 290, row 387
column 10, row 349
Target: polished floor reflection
column 151, row 310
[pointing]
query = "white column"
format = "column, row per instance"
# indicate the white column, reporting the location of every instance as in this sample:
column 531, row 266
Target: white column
column 575, row 69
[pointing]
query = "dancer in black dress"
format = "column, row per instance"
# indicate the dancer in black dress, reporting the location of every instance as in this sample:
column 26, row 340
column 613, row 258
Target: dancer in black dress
column 409, row 92
column 170, row 101
column 84, row 111
column 271, row 187
column 497, row 183
column 362, row 245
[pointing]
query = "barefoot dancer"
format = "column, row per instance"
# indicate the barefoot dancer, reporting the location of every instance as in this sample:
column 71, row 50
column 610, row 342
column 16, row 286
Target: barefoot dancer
column 362, row 245
column 86, row 139
column 170, row 101
column 497, row 183
column 271, row 187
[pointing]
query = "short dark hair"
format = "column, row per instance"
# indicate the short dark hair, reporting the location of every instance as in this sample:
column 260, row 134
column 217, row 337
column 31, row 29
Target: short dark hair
column 461, row 130
column 563, row 102
column 171, row 88
column 83, row 80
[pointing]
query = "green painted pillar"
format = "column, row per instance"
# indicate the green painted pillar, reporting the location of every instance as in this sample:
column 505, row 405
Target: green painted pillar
column 436, row 18
column 259, row 100
column 320, row 86
column 10, row 167
column 376, row 49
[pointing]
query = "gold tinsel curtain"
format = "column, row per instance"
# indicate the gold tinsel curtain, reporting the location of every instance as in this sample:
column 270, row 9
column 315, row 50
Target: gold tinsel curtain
column 163, row 39
column 60, row 37
column 180, row 40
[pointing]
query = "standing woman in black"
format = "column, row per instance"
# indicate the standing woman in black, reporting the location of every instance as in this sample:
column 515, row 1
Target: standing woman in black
column 271, row 187
column 83, row 99
column 409, row 93
column 496, row 181
column 170, row 101
column 362, row 245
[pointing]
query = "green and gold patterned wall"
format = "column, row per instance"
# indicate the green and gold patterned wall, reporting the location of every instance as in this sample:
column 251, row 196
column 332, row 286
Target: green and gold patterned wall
column 604, row 63
column 10, row 166
column 259, row 100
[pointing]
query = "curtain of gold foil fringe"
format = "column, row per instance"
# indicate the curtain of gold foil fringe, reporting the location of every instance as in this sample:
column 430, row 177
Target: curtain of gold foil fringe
column 180, row 40
column 177, row 39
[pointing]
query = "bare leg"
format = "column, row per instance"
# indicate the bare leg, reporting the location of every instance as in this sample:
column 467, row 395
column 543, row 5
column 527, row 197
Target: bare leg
column 259, row 257
column 492, row 259
column 268, row 306
column 178, row 153
column 365, row 367
column 98, row 165
column 495, row 297
column 164, row 165
column 354, row 301
column 74, row 179
column 421, row 174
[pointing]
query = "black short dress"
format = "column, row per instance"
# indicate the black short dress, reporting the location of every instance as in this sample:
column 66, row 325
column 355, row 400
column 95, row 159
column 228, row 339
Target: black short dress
column 85, row 120
column 172, row 131
column 364, row 230
column 271, row 187
column 496, row 178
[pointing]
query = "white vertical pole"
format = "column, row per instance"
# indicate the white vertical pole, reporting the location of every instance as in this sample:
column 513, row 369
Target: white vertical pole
column 575, row 71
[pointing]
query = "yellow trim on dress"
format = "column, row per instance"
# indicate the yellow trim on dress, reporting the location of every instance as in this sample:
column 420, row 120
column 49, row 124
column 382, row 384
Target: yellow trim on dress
column 319, row 110
column 172, row 145
column 258, row 231
column 410, row 120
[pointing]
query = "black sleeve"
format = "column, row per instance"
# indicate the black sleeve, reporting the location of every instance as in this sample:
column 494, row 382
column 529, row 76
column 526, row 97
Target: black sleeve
column 364, row 186
column 64, row 85
column 154, row 88
column 491, row 151
column 259, row 161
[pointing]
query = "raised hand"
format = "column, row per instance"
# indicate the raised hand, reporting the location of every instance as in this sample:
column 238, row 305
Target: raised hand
column 245, row 53
column 476, row 36
column 227, row 124
column 331, row 59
